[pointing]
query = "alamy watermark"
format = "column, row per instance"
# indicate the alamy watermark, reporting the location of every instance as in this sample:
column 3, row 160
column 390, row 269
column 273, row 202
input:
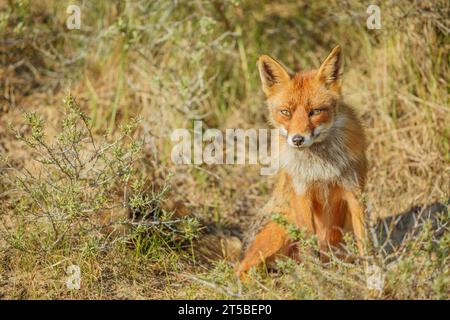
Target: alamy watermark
column 74, row 19
column 234, row 146
column 375, row 278
column 374, row 19
column 73, row 281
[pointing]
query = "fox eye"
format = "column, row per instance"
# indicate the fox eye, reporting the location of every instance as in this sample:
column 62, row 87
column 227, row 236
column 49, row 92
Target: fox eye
column 285, row 112
column 316, row 111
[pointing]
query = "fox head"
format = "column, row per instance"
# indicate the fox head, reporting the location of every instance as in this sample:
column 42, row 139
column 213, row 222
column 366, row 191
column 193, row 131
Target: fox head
column 303, row 106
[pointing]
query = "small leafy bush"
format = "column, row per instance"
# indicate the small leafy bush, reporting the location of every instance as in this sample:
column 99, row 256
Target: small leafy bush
column 76, row 185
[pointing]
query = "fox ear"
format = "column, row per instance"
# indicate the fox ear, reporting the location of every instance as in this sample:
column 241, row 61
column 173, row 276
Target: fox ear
column 330, row 72
column 272, row 73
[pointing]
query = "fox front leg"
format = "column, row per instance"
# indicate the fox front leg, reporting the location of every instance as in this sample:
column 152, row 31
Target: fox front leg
column 270, row 242
column 356, row 211
column 304, row 216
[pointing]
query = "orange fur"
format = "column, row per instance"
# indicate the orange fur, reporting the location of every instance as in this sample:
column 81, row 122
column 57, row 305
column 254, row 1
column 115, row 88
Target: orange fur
column 323, row 174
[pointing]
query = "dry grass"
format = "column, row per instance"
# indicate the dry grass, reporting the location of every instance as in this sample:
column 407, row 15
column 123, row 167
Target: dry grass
column 171, row 63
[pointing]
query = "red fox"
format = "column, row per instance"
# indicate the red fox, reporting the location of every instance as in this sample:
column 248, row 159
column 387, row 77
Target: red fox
column 322, row 161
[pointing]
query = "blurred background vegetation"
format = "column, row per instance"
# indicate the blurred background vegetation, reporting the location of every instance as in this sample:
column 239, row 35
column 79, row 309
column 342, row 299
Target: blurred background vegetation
column 157, row 66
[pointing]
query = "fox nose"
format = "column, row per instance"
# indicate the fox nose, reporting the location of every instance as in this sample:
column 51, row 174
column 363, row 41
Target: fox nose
column 297, row 140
